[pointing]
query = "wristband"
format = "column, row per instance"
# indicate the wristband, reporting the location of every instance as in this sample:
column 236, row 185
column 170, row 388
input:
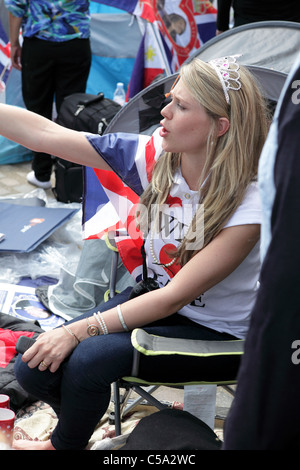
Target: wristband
column 121, row 318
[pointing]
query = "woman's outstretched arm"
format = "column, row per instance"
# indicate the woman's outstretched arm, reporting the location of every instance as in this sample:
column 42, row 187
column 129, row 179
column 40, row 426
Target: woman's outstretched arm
column 43, row 135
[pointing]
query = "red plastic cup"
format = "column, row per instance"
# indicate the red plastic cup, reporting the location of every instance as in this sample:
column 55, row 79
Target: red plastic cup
column 7, row 420
column 4, row 401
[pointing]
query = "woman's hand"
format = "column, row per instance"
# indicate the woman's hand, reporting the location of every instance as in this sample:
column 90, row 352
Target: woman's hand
column 49, row 350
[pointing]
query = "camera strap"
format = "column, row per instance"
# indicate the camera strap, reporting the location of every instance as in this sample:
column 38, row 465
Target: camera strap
column 145, row 270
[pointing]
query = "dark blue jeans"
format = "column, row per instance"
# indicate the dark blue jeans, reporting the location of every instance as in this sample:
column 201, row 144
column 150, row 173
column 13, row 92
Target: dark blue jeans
column 79, row 391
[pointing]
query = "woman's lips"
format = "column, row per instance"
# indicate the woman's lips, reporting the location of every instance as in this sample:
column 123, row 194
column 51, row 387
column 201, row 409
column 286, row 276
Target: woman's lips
column 163, row 132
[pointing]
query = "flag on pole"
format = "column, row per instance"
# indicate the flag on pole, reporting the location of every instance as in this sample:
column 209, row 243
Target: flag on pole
column 149, row 63
column 184, row 26
column 5, row 62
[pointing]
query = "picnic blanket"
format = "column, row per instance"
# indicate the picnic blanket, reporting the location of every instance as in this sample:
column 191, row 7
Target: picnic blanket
column 38, row 421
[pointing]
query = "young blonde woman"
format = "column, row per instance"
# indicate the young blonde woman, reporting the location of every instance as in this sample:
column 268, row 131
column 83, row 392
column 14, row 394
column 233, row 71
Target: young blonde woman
column 201, row 222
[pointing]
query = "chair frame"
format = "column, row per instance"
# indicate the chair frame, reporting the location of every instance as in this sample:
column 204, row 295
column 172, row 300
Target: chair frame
column 164, row 346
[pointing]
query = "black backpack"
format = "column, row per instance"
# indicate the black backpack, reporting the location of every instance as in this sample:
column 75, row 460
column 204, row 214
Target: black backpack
column 81, row 112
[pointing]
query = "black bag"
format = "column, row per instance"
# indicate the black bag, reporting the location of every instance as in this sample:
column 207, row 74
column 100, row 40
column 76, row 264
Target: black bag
column 81, row 112
column 147, row 283
column 172, row 429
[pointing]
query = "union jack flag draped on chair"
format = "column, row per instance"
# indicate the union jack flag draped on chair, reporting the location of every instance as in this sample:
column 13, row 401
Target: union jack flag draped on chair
column 110, row 204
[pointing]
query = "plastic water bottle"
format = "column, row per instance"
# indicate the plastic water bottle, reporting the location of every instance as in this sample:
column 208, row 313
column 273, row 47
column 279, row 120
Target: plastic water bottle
column 119, row 94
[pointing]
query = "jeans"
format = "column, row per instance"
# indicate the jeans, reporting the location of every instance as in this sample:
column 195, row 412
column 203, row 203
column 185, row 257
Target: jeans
column 79, row 391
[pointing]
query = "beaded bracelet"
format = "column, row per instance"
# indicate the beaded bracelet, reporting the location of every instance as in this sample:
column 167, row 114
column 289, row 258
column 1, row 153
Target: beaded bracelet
column 101, row 322
column 121, row 318
column 70, row 333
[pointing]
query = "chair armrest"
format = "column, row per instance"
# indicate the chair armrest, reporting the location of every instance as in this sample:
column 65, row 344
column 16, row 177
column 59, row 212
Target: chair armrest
column 151, row 345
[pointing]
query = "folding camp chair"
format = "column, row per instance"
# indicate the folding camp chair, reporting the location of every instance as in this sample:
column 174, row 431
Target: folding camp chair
column 208, row 363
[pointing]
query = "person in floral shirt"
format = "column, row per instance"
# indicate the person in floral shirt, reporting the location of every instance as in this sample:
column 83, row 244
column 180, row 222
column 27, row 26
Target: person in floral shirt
column 54, row 59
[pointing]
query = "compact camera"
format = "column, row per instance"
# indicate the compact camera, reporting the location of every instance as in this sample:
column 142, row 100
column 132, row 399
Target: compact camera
column 146, row 285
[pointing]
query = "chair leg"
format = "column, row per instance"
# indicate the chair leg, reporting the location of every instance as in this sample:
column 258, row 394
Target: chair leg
column 229, row 389
column 117, row 404
column 116, row 390
column 120, row 408
column 138, row 400
column 147, row 396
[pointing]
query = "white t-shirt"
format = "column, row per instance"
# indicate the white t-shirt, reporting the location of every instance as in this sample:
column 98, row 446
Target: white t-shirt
column 225, row 307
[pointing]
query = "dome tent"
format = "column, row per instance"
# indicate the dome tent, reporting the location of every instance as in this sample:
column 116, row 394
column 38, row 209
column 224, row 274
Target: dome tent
column 254, row 42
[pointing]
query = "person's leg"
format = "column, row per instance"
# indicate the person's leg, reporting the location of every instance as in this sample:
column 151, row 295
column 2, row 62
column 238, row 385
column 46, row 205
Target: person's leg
column 89, row 372
column 75, row 391
column 37, row 76
column 38, row 95
column 72, row 67
column 80, row 390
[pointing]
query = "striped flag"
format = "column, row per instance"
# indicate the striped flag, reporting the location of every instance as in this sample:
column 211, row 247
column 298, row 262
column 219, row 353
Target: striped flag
column 110, row 198
column 142, row 8
column 5, row 63
column 149, row 63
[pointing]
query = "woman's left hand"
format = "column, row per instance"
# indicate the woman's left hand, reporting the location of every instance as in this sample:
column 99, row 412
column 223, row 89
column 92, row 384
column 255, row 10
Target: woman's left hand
column 49, row 350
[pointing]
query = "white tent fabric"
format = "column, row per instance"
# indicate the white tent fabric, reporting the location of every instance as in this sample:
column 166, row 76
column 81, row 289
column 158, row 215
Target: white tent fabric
column 269, row 44
column 269, row 49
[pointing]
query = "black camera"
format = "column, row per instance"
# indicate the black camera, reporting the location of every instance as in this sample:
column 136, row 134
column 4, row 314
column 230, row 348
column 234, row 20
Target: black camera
column 146, row 285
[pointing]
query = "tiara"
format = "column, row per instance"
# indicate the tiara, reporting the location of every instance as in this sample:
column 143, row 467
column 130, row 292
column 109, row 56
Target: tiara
column 227, row 70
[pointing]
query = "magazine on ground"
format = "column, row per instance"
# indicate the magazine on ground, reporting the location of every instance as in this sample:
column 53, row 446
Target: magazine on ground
column 21, row 302
column 24, row 227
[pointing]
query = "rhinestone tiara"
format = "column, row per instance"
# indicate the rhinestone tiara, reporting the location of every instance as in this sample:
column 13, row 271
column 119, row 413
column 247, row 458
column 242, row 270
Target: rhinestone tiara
column 227, row 70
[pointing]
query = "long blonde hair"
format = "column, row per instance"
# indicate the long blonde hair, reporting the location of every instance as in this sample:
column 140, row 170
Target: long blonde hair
column 232, row 159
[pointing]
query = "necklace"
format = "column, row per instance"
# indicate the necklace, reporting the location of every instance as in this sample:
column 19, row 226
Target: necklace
column 154, row 256
column 152, row 248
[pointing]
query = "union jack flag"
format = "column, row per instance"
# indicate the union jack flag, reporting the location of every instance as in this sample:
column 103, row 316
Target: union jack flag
column 110, row 197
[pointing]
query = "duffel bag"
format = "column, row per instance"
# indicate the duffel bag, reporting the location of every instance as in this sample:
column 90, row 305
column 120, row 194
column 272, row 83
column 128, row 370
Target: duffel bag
column 81, row 112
